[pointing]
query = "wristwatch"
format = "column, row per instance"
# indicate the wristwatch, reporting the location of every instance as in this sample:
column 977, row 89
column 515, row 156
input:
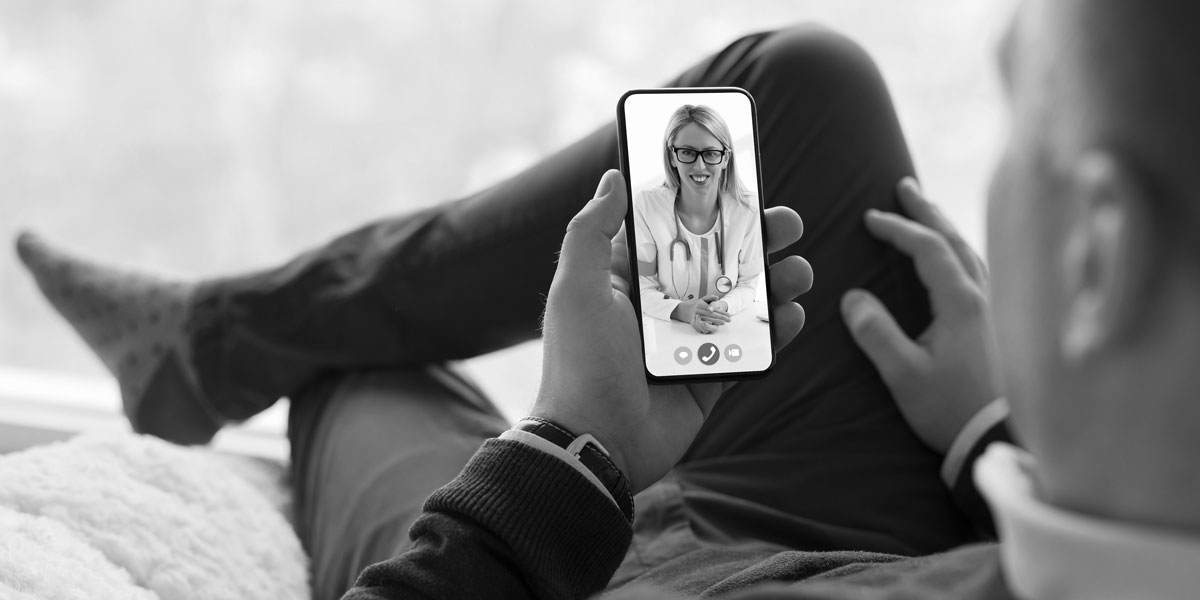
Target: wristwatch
column 589, row 452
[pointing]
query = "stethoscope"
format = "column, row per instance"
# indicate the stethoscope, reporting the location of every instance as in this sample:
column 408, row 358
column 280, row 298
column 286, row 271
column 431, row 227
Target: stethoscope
column 724, row 283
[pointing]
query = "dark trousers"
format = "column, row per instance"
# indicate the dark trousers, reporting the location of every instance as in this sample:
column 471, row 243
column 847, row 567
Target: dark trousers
column 814, row 457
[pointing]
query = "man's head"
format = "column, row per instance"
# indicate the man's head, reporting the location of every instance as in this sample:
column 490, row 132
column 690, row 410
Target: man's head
column 1094, row 243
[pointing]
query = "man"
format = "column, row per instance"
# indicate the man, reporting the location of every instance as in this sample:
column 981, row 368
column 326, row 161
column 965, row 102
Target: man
column 1095, row 287
column 1092, row 224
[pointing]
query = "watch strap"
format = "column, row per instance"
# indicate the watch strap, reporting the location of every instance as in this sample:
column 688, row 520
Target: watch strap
column 589, row 452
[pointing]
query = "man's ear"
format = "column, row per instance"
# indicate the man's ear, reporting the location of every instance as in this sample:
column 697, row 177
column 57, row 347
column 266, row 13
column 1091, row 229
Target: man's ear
column 1108, row 259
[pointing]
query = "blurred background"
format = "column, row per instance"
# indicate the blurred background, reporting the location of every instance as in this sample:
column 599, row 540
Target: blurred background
column 197, row 138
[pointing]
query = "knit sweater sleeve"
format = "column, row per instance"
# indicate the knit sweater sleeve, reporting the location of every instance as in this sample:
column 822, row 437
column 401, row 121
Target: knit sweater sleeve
column 987, row 426
column 515, row 523
column 963, row 490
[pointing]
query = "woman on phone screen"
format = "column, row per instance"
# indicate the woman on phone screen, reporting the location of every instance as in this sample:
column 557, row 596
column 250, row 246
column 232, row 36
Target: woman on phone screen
column 699, row 245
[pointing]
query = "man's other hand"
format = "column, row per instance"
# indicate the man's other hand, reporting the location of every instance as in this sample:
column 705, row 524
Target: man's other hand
column 945, row 376
column 593, row 379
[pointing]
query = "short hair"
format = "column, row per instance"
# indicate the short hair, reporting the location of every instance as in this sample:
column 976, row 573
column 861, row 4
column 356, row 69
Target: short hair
column 731, row 185
column 1140, row 74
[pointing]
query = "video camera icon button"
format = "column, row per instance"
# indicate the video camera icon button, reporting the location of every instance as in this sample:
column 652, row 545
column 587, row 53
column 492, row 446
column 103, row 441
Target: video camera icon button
column 733, row 353
column 683, row 355
column 709, row 354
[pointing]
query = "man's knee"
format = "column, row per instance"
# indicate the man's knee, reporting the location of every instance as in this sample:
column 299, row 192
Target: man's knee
column 813, row 56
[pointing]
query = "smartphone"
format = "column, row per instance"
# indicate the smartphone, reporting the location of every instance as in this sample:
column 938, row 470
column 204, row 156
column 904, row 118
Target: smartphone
column 697, row 254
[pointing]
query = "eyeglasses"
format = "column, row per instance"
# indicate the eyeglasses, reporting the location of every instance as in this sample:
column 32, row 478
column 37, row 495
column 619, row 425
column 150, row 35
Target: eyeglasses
column 688, row 156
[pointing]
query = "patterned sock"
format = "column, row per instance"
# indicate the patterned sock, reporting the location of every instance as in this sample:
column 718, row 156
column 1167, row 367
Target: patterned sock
column 135, row 323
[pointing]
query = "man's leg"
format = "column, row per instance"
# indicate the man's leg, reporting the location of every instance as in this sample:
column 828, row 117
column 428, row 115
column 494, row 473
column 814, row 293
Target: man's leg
column 817, row 456
column 466, row 277
column 450, row 282
column 367, row 449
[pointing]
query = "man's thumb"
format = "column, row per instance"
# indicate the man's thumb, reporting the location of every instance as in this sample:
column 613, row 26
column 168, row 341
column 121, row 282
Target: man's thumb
column 877, row 333
column 587, row 246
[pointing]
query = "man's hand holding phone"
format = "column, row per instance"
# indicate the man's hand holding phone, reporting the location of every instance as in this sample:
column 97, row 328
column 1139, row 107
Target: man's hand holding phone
column 593, row 377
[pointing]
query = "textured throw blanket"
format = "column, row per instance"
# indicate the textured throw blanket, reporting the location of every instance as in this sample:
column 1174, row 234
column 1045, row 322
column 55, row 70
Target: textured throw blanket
column 133, row 517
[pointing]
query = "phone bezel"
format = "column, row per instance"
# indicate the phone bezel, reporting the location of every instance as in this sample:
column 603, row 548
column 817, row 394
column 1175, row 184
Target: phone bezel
column 630, row 237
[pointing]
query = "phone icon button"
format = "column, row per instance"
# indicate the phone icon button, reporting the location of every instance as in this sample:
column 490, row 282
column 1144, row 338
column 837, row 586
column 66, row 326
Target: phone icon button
column 708, row 354
column 733, row 353
column 683, row 355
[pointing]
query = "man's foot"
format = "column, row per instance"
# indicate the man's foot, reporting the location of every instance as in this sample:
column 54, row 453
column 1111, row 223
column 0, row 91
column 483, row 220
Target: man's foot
column 135, row 324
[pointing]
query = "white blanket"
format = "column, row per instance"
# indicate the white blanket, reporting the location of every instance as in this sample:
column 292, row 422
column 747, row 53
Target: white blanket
column 133, row 517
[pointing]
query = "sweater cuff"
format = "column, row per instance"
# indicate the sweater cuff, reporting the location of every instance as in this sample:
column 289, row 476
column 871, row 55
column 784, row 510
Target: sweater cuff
column 552, row 449
column 981, row 423
column 567, row 536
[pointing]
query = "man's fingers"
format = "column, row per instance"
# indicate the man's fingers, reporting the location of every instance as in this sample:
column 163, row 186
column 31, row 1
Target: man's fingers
column 790, row 277
column 936, row 262
column 789, row 320
column 784, row 228
column 913, row 201
column 586, row 256
column 620, row 284
column 620, row 255
column 876, row 332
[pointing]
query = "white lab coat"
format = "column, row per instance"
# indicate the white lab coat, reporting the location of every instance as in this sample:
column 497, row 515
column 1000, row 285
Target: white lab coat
column 665, row 283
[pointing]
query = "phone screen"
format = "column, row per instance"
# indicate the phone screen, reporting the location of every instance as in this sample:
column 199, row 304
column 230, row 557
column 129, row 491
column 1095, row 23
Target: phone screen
column 695, row 231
